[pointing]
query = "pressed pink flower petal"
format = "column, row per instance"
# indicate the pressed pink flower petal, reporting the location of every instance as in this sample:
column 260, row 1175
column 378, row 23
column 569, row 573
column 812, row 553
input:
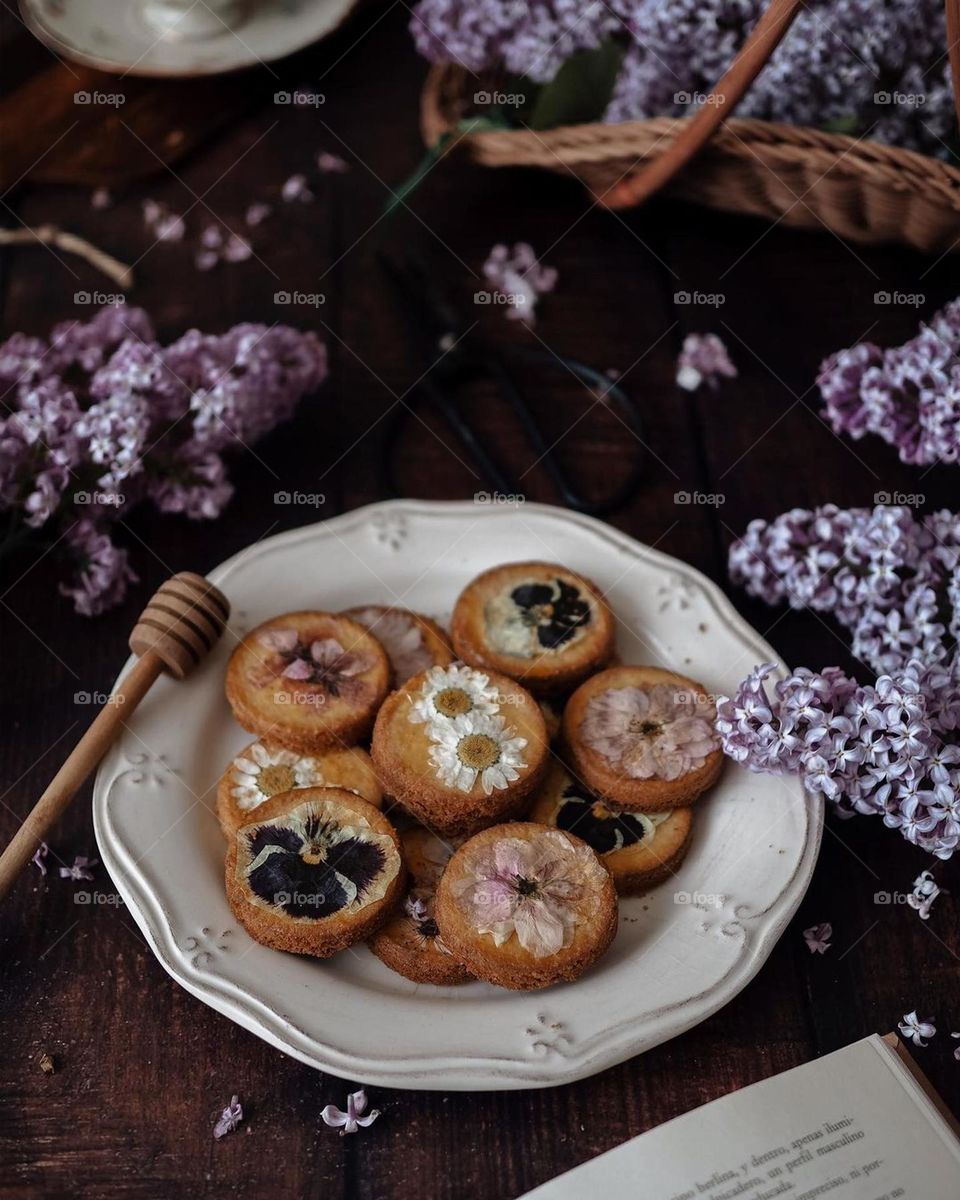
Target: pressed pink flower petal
column 284, row 640
column 326, row 651
column 299, row 669
column 352, row 664
column 538, row 927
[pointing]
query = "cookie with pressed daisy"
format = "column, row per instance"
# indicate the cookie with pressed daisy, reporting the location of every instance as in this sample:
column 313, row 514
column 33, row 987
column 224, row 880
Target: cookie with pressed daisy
column 638, row 849
column 460, row 748
column 317, row 870
column 308, row 681
column 643, row 738
column 412, row 641
column 525, row 906
column 410, row 943
column 536, row 622
column 262, row 770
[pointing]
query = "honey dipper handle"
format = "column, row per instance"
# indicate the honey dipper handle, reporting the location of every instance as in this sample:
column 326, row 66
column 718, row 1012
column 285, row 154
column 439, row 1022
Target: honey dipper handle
column 85, row 756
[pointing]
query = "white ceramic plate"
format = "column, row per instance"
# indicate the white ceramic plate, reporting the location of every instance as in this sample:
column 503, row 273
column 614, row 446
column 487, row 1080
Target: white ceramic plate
column 681, row 952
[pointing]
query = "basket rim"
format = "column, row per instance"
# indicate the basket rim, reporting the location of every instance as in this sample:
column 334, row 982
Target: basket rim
column 740, row 137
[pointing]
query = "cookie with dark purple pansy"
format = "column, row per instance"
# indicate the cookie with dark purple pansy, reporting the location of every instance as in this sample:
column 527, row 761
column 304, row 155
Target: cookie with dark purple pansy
column 638, row 849
column 410, row 943
column 539, row 623
column 308, row 681
column 318, row 870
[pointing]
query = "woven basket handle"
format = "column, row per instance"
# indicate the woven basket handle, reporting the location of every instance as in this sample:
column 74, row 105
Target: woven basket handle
column 754, row 54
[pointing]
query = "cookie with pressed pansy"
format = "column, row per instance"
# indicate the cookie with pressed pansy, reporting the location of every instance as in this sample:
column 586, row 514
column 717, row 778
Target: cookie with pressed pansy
column 524, row 906
column 308, row 681
column 412, row 641
column 539, row 623
column 460, row 748
column 410, row 943
column 317, row 870
column 643, row 738
column 263, row 770
column 638, row 849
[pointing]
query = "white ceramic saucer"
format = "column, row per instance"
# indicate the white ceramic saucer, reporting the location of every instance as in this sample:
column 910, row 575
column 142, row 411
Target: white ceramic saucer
column 179, row 37
column 681, row 952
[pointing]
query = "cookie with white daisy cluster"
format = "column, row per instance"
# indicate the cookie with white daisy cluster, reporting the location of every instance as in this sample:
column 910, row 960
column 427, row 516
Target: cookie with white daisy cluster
column 317, row 870
column 308, row 681
column 638, row 849
column 525, row 906
column 262, row 770
column 643, row 738
column 412, row 641
column 537, row 622
column 460, row 749
column 410, row 943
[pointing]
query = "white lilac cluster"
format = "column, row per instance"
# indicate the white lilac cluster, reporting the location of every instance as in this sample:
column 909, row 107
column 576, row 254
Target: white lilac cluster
column 100, row 416
column 908, row 395
column 888, row 749
column 889, row 576
column 876, row 69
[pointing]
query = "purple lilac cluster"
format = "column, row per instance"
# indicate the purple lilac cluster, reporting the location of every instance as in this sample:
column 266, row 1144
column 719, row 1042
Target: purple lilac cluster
column 890, row 577
column 866, row 67
column 100, row 416
column 532, row 39
column 887, row 749
column 908, row 395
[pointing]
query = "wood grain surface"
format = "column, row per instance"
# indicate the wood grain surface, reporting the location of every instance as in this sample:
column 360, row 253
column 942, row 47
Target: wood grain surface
column 142, row 1068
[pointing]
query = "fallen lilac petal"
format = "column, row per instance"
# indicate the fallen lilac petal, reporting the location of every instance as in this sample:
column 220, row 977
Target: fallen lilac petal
column 258, row 213
column 80, row 869
column 229, row 1119
column 39, row 855
column 915, row 1030
column 353, row 1119
column 237, row 249
column 331, row 164
column 206, row 260
column 818, row 937
column 296, row 188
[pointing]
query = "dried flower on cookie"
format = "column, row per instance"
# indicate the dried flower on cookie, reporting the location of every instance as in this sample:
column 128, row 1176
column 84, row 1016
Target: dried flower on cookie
column 265, row 772
column 400, row 636
column 322, row 662
column 475, row 747
column 449, row 692
column 534, row 617
column 533, row 889
column 661, row 732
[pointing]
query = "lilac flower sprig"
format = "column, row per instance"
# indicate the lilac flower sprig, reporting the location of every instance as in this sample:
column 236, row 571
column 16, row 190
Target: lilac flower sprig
column 840, row 67
column 908, row 395
column 100, row 417
column 890, row 577
column 886, row 750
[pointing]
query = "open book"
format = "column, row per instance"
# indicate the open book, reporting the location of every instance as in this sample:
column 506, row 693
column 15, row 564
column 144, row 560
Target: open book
column 859, row 1124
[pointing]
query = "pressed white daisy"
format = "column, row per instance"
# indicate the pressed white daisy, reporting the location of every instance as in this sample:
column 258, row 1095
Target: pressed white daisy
column 475, row 744
column 262, row 773
column 453, row 692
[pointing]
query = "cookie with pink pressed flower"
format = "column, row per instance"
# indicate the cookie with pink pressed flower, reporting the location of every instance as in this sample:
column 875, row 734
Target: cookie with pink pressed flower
column 262, row 770
column 537, row 622
column 638, row 849
column 643, row 738
column 524, row 906
column 308, row 681
column 412, row 641
column 460, row 749
column 410, row 943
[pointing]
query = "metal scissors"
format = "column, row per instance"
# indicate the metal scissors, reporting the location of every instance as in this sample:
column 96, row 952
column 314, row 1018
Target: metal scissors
column 452, row 355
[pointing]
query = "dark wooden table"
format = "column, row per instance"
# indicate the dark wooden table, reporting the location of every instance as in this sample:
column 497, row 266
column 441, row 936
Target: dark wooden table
column 142, row 1067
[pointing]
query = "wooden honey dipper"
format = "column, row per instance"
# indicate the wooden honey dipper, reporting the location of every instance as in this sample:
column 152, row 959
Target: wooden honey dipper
column 181, row 624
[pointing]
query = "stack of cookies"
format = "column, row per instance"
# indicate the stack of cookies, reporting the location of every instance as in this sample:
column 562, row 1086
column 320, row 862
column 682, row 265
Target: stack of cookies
column 528, row 781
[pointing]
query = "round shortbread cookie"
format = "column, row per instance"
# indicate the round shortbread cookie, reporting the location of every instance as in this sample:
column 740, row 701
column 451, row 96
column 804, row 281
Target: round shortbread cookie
column 539, row 623
column 524, row 906
column 410, row 942
column 308, row 681
column 460, row 749
column 412, row 641
column 318, row 870
column 643, row 738
column 262, row 770
column 638, row 849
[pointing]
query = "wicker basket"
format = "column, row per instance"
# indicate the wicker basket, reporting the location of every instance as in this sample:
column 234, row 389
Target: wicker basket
column 862, row 190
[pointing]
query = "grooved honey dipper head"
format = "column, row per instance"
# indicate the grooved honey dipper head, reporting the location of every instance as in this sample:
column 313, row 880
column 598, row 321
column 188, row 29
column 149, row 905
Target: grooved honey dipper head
column 182, row 622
